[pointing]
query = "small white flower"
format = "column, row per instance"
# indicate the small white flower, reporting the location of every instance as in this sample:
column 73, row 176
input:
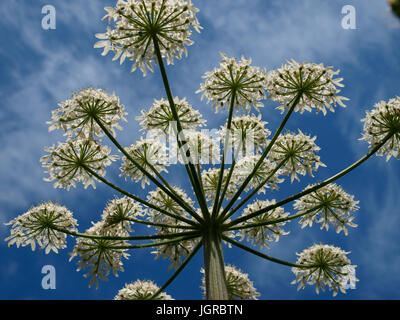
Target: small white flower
column 76, row 116
column 324, row 265
column 246, row 80
column 141, row 290
column 314, row 83
column 39, row 225
column 135, row 23
column 119, row 211
column 147, row 153
column 238, row 283
column 67, row 163
column 246, row 166
column 328, row 205
column 299, row 150
column 100, row 256
column 262, row 235
column 384, row 119
column 160, row 117
column 248, row 134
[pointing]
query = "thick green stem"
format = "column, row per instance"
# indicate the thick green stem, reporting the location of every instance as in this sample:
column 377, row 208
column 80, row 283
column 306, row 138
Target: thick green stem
column 214, row 267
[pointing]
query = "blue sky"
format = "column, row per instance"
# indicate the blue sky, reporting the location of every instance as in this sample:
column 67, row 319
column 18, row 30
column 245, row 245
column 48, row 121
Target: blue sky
column 39, row 68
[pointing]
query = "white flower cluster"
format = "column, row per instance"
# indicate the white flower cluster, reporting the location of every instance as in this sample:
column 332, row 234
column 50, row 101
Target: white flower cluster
column 299, row 151
column 76, row 116
column 149, row 154
column 384, row 119
column 324, row 265
column 329, row 205
column 160, row 117
column 240, row 77
column 210, row 180
column 262, row 175
column 238, row 283
column 39, row 225
column 100, row 256
column 163, row 201
column 313, row 83
column 119, row 211
column 68, row 163
column 141, row 290
column 248, row 134
column 262, row 235
column 137, row 23
column 174, row 252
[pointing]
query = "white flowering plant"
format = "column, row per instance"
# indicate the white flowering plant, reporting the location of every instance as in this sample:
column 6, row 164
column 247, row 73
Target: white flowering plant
column 226, row 203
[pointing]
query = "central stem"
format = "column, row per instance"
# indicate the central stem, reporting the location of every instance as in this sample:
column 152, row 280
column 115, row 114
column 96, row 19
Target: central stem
column 214, row 267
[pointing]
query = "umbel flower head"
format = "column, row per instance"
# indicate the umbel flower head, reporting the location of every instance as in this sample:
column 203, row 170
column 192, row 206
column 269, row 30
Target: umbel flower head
column 160, row 117
column 324, row 265
column 141, row 290
column 263, row 175
column 240, row 77
column 137, row 23
column 68, row 163
column 119, row 211
column 329, row 205
column 100, row 256
column 39, row 225
column 248, row 134
column 76, row 116
column 163, row 201
column 313, row 83
column 238, row 283
column 262, row 235
column 148, row 153
column 299, row 152
column 210, row 180
column 382, row 120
